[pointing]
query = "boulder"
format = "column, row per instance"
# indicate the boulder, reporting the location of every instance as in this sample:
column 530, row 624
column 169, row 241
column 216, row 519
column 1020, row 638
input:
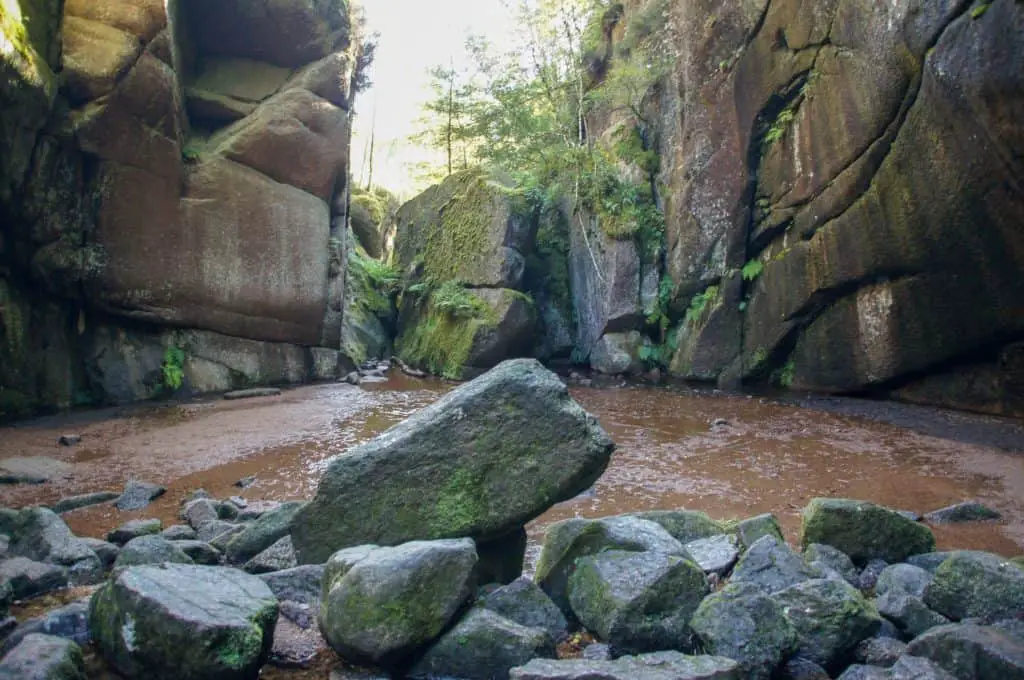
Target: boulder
column 910, row 614
column 381, row 605
column 84, row 501
column 151, row 550
column 243, row 80
column 481, row 646
column 134, row 529
column 43, row 657
column 618, row 354
column 523, row 602
column 26, row 579
column 870, row 574
column 301, row 584
column 179, row 532
column 799, row 668
column 741, row 622
column 511, row 331
column 684, row 525
column 752, row 529
column 656, row 666
column 918, row 668
column 95, row 57
column 976, row 584
column 44, row 537
column 200, row 552
column 830, row 617
column 879, row 651
column 328, row 78
column 715, row 555
column 34, row 470
column 198, row 511
column 142, row 18
column 70, row 622
column 106, row 552
column 637, row 602
column 903, row 579
column 772, row 566
column 864, row 531
column 970, row 651
column 256, row 537
column 213, row 529
column 968, row 511
column 278, row 557
column 146, row 616
column 818, row 554
column 137, row 495
column 929, row 561
column 456, row 468
column 566, row 542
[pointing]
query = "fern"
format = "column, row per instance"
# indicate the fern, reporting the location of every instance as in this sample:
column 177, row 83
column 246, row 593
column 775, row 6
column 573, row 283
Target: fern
column 173, row 367
column 752, row 270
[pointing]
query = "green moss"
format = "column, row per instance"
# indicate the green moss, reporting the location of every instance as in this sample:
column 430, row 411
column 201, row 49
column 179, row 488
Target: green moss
column 787, row 375
column 15, row 405
column 980, row 10
column 460, row 505
column 547, row 267
column 461, row 240
column 240, row 649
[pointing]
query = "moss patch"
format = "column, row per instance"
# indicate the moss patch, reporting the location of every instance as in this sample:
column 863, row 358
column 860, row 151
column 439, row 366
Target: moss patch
column 461, row 239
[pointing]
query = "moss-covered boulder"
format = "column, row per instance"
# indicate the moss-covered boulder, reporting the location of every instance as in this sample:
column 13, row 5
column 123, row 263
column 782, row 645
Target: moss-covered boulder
column 618, row 353
column 684, row 525
column 971, row 651
column 480, row 462
column 151, row 550
column 976, row 584
column 568, row 541
column 43, row 657
column 741, row 622
column 637, row 602
column 908, row 613
column 830, row 617
column 523, row 602
column 184, row 622
column 864, row 531
column 381, row 605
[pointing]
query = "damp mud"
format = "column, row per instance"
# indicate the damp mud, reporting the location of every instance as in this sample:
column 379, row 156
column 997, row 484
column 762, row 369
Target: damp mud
column 731, row 456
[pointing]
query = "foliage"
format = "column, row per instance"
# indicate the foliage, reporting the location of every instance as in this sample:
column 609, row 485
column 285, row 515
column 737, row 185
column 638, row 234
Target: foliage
column 173, row 367
column 788, row 374
column 376, row 283
column 980, row 10
column 659, row 316
column 452, row 298
column 367, row 51
column 752, row 270
column 700, row 301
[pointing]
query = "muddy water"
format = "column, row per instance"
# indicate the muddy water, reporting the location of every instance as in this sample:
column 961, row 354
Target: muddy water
column 769, row 457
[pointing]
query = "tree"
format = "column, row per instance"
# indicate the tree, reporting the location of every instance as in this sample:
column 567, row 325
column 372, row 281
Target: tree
column 448, row 121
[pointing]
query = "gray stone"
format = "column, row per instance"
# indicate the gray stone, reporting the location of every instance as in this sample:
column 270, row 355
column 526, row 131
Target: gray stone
column 834, row 559
column 69, row 439
column 227, row 511
column 917, row 668
column 199, row 511
column 151, row 550
column 246, row 482
column 262, row 533
column 523, row 602
column 200, row 552
column 44, row 537
column 864, row 531
column 830, row 617
column 637, row 602
column 772, row 566
column 869, row 576
column 970, row 584
column 618, row 354
column 903, row 579
column 70, row 622
column 863, row 672
column 798, row 668
column 380, row 605
column 32, row 470
column 929, row 561
column 452, row 469
column 879, row 651
column 213, row 528
column 179, row 532
column 597, row 652
column 1014, row 627
column 656, row 666
column 105, row 551
column 277, row 557
column 301, row 584
column 294, row 646
column 43, row 657
column 683, row 525
column 134, row 529
column 256, row 509
column 137, row 495
column 254, row 393
column 714, row 555
column 225, row 618
column 84, row 501
column 28, row 579
column 483, row 645
column 970, row 651
column 969, row 511
column 743, row 623
column 750, row 530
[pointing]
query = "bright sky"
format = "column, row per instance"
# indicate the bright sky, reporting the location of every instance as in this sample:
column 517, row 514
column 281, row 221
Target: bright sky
column 414, row 35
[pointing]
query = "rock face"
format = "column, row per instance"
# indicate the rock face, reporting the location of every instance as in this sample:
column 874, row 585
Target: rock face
column 147, row 617
column 187, row 181
column 481, row 462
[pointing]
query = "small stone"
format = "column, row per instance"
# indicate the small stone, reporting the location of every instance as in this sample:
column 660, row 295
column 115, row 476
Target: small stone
column 69, row 439
column 970, row 511
column 302, row 615
column 903, row 579
column 863, row 672
column 201, row 552
column 597, row 652
column 799, row 668
column 151, row 550
column 715, row 555
column 301, row 584
column 523, row 602
column 246, row 482
column 353, row 378
column 257, row 509
column 262, row 533
column 656, row 666
column 277, row 557
column 84, row 501
column 683, row 525
column 199, row 511
column 198, row 494
column 909, row 613
column 227, row 511
column 834, row 559
column 43, row 657
column 868, row 578
column 32, row 470
column 930, row 562
column 917, row 668
column 70, row 622
column 879, row 652
column 106, row 551
column 749, row 531
column 179, row 532
column 238, row 502
column 137, row 495
column 253, row 393
column 134, row 529
column 221, row 540
column 772, row 566
column 295, row 647
column 29, row 579
column 211, row 529
column 719, row 422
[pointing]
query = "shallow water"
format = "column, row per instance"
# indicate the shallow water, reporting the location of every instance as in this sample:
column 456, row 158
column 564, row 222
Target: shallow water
column 770, row 457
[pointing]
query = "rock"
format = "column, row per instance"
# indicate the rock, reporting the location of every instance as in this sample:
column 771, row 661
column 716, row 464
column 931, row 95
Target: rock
column 227, row 511
column 684, row 525
column 199, row 511
column 34, row 470
column 501, row 560
column 70, row 622
column 264, row 532
column 969, row 651
column 106, row 552
column 802, row 669
column 381, row 605
column 277, row 557
column 618, row 354
column 929, row 561
column 179, row 532
column 657, row 666
column 549, row 449
column 916, row 668
column 772, row 566
column 911, row 616
column 597, row 652
column 969, row 511
column 301, row 584
column 830, row 617
column 751, row 530
column 134, row 529
column 151, row 550
column 888, row 629
column 302, row 615
column 637, row 602
column 28, row 579
column 254, row 393
column 834, row 559
column 523, row 602
column 138, row 495
column 714, row 555
column 1014, row 627
column 869, row 576
column 43, row 657
column 212, row 529
column 84, row 501
column 567, row 541
column 69, row 439
column 878, row 651
column 246, row 482
column 483, row 645
column 200, row 552
column 741, row 622
column 976, row 584
column 353, row 378
column 864, row 531
column 862, row 672
column 227, row 617
column 903, row 579
column 44, row 537
column 295, row 647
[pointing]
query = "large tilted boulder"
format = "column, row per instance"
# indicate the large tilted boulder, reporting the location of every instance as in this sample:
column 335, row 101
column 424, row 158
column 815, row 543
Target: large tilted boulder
column 864, row 531
column 380, row 605
column 41, row 535
column 656, row 666
column 184, row 622
column 481, row 462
